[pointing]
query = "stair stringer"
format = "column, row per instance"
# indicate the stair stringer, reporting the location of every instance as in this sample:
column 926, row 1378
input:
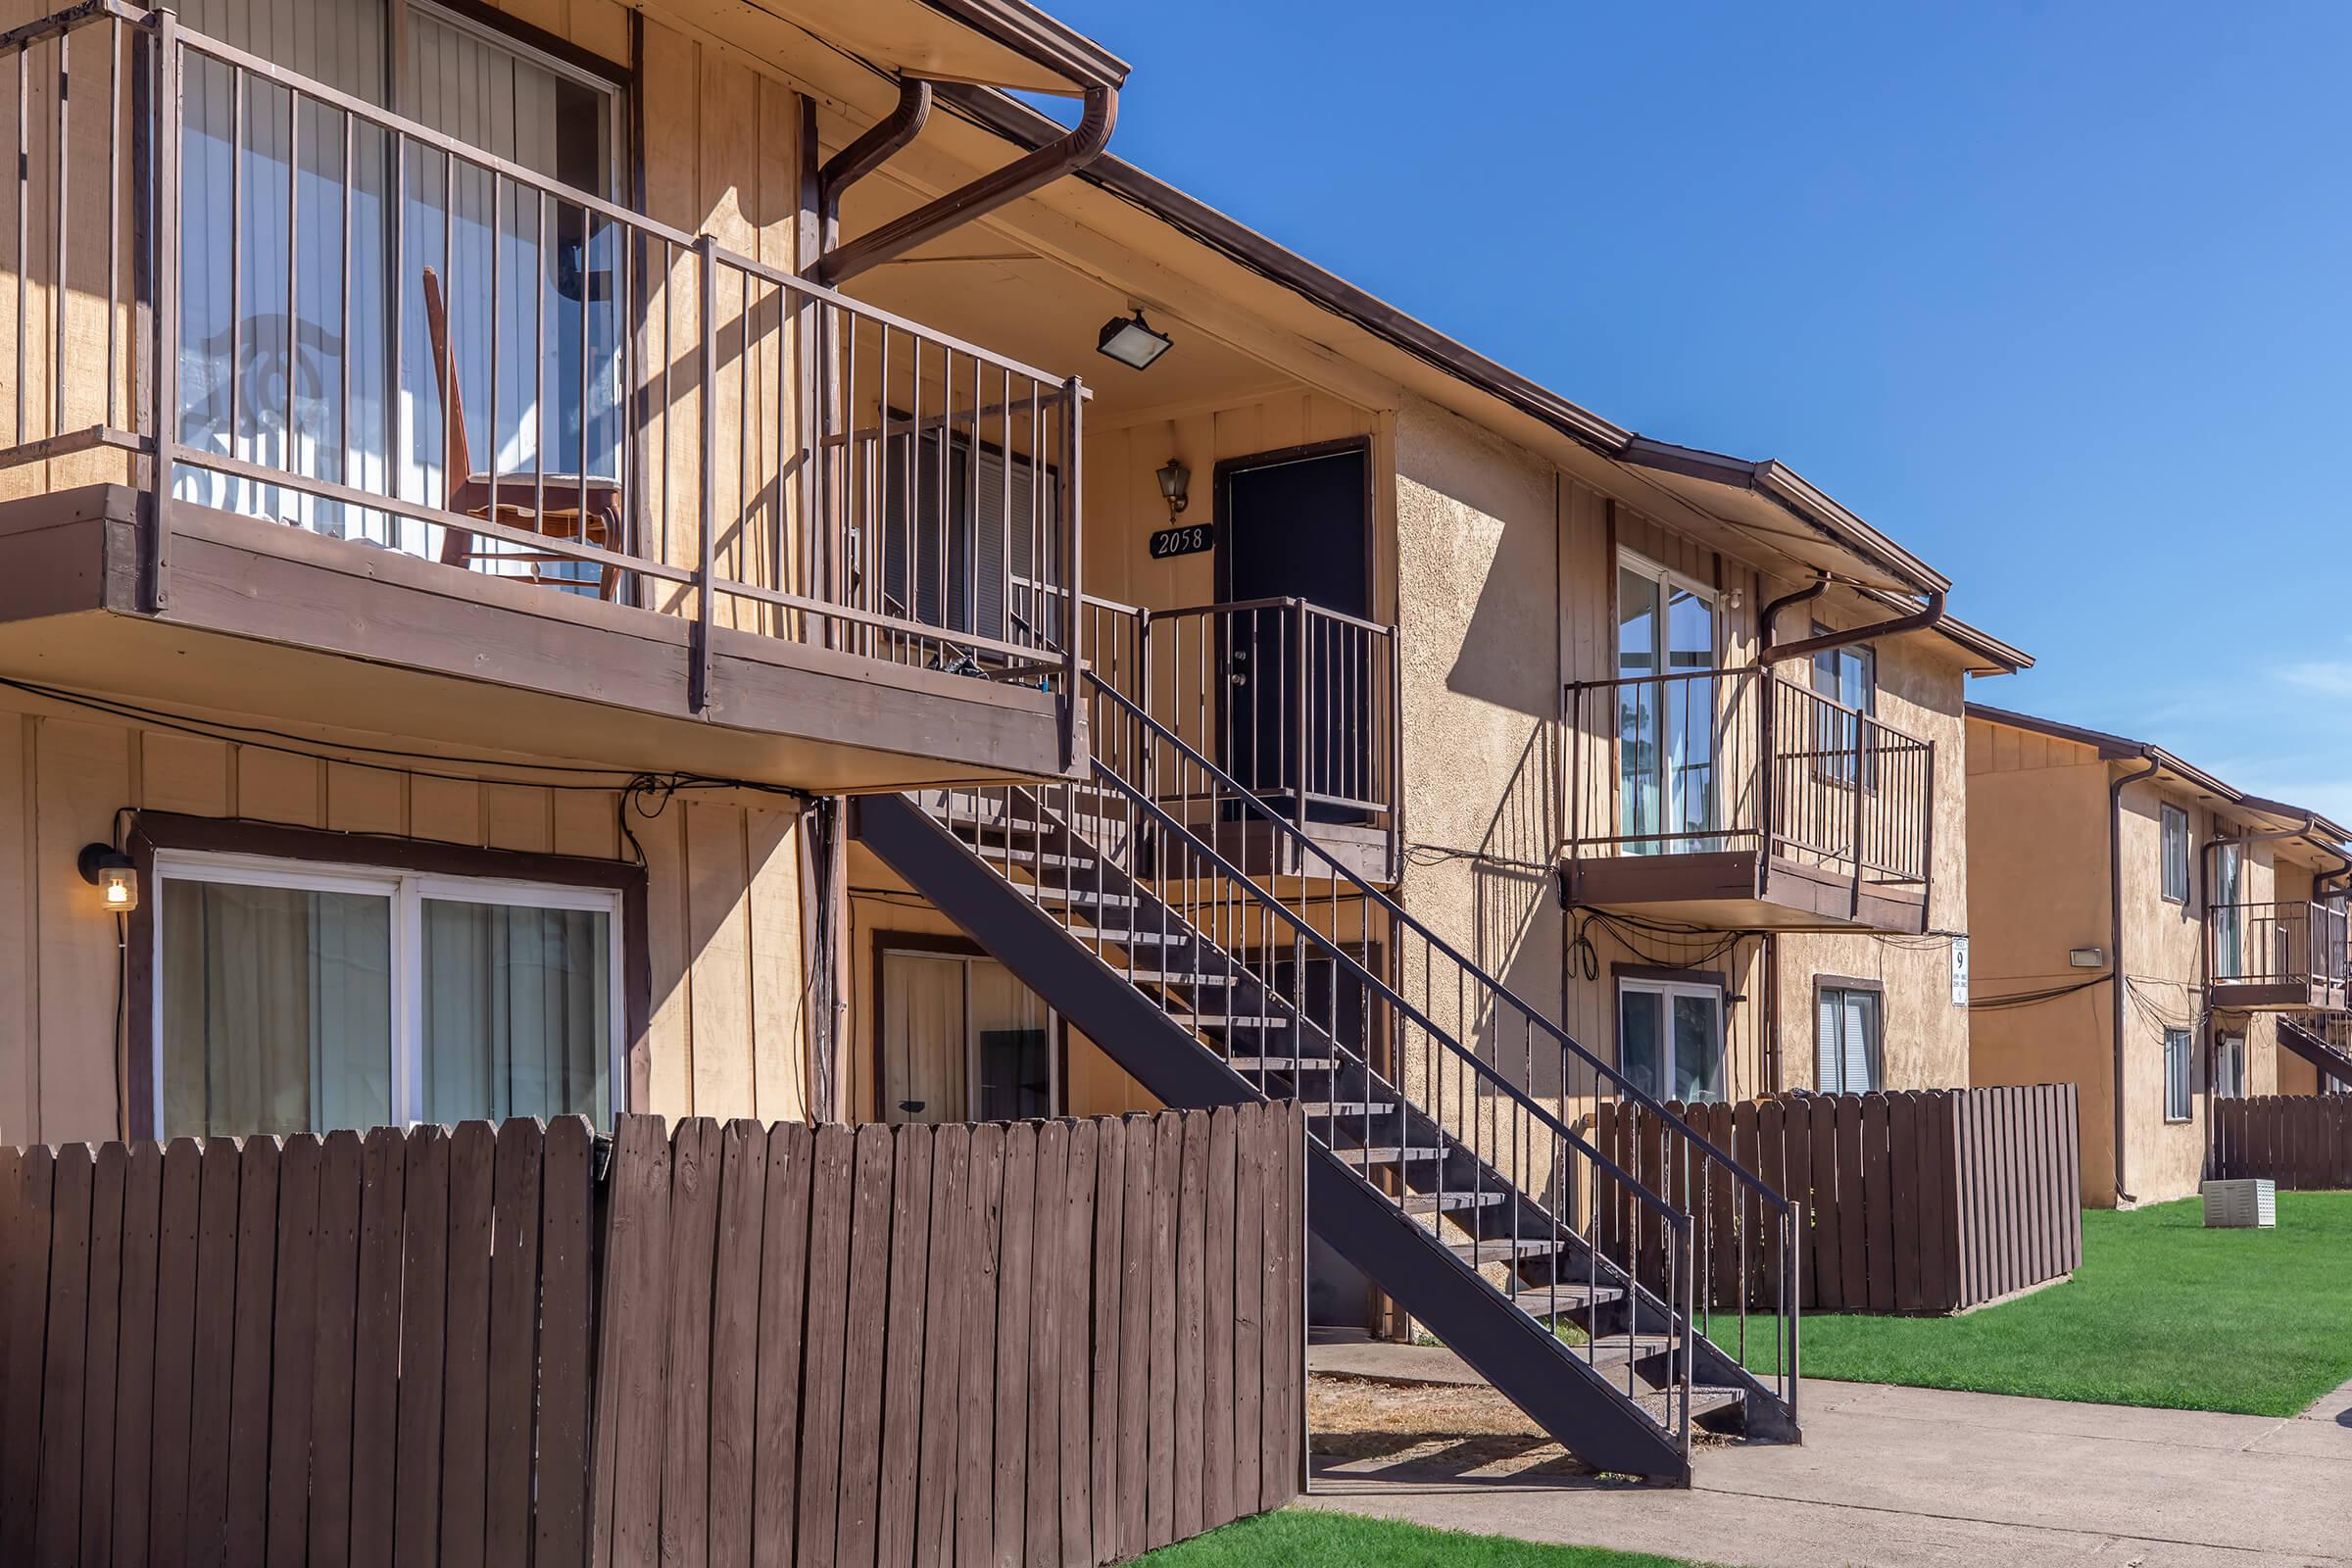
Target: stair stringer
column 1525, row 1362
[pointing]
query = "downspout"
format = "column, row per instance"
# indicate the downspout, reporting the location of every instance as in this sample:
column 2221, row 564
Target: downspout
column 1768, row 618
column 1063, row 155
column 869, row 152
column 2115, row 948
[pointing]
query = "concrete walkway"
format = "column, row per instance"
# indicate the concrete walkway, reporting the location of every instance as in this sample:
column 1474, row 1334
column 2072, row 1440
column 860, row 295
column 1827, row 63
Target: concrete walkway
column 1888, row 1478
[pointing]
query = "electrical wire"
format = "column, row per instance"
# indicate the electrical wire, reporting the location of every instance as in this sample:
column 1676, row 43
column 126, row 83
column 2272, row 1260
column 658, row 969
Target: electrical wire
column 2031, row 999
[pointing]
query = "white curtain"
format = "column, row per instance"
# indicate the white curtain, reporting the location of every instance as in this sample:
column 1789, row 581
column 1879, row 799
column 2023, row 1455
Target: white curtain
column 518, row 1012
column 276, row 1010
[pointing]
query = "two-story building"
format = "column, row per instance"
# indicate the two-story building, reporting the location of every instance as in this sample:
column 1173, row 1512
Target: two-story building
column 2152, row 934
column 564, row 557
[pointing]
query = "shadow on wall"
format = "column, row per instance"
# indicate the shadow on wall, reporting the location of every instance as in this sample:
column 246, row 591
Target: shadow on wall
column 1516, row 936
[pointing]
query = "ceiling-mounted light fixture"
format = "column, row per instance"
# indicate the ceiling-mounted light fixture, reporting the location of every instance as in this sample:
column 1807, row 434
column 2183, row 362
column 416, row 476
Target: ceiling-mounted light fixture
column 113, row 874
column 1130, row 341
column 1175, row 486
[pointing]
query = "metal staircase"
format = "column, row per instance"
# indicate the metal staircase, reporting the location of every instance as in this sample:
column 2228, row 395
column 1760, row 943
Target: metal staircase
column 1445, row 1112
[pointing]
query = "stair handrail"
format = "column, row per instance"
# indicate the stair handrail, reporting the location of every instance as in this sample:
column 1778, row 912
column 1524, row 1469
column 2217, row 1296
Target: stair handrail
column 1396, row 911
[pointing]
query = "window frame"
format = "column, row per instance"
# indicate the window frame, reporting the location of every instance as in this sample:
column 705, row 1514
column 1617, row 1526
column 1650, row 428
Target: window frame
column 1667, row 984
column 1826, row 984
column 165, row 844
column 1829, row 760
column 2230, row 1053
column 2168, row 814
column 2187, row 1077
column 954, row 949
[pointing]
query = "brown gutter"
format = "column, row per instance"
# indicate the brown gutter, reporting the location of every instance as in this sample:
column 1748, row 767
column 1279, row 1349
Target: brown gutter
column 1768, row 619
column 1042, row 166
column 2115, row 948
column 1928, row 619
column 869, row 152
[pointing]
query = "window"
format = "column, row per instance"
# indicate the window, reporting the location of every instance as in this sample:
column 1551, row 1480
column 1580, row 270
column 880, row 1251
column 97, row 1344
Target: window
column 1849, row 676
column 1846, row 1040
column 2179, row 1048
column 298, row 997
column 2176, row 853
column 961, row 1039
column 1670, row 1037
column 2230, row 1067
column 1666, row 709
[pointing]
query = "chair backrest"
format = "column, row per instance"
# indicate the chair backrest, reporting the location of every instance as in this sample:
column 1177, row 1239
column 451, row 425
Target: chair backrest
column 459, row 460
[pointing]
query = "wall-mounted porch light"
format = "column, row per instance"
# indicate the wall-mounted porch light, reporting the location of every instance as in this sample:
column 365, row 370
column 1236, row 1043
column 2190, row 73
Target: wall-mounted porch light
column 1130, row 341
column 2086, row 957
column 1175, row 486
column 112, row 873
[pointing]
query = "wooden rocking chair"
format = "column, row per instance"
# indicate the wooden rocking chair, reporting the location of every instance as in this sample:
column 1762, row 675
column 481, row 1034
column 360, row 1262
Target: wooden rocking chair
column 586, row 509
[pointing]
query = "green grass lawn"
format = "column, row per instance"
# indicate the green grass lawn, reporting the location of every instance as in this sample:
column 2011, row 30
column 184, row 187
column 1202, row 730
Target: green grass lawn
column 2163, row 1313
column 1343, row 1541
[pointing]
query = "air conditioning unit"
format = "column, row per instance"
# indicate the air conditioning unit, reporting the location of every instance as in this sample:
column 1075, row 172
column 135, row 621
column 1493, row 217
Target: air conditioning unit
column 2241, row 1204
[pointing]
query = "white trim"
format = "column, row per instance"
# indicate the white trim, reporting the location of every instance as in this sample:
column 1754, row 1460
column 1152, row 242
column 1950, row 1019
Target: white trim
column 1666, row 991
column 407, row 891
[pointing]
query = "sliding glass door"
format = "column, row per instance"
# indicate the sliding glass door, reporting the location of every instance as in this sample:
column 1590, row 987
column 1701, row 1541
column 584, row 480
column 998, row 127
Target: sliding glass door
column 294, row 280
column 1667, row 783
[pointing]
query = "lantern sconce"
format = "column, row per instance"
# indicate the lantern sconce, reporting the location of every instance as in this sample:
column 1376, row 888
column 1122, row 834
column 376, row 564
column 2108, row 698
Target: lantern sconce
column 114, row 874
column 1175, row 486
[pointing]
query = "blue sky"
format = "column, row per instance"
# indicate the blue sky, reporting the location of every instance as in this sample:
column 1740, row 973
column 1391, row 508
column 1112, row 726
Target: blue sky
column 2056, row 294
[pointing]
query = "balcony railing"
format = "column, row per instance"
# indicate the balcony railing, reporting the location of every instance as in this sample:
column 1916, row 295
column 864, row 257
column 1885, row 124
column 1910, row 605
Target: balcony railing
column 1295, row 702
column 2278, row 948
column 283, row 301
column 1716, row 761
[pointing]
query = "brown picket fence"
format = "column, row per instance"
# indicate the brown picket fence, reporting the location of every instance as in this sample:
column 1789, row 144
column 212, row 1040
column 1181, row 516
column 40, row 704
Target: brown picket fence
column 2301, row 1141
column 1040, row 1343
column 1926, row 1201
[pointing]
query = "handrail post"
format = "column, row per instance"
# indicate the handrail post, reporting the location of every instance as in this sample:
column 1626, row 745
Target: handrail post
column 163, row 164
column 1073, row 564
column 698, row 675
column 1854, row 843
column 1299, row 716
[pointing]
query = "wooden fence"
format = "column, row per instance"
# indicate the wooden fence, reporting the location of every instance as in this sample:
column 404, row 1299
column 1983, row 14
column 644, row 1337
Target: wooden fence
column 1930, row 1200
column 1043, row 1343
column 2302, row 1141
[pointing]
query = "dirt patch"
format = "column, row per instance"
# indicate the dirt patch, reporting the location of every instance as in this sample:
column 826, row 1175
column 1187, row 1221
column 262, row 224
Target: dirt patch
column 1367, row 1426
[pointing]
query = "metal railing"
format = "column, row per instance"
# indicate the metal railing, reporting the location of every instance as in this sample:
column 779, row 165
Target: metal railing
column 1425, row 1027
column 295, row 305
column 1716, row 759
column 2288, row 943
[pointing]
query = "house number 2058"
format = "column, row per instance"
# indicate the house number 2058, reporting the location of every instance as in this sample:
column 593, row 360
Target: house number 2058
column 1188, row 541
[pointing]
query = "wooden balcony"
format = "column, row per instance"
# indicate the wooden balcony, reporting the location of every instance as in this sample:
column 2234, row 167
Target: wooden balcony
column 2287, row 956
column 320, row 414
column 1734, row 799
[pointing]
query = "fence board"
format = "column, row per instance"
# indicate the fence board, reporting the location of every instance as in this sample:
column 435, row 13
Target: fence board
column 784, row 1245
column 93, row 1531
column 742, row 1178
column 1216, row 1322
column 975, row 1457
column 1110, row 1212
column 466, row 1343
column 695, row 1159
column 1042, row 1496
column 376, row 1349
column 214, row 1347
column 561, row 1530
column 1185, row 1285
column 949, row 1256
column 1251, row 1182
column 293, row 1351
column 821, row 1373
column 1135, row 1281
column 245, row 1528
column 1159, row 1498
column 135, row 1363
column 423, row 1344
column 519, row 1160
column 341, row 1166
column 1077, row 1360
column 2300, row 1141
column 66, row 1358
column 903, row 1308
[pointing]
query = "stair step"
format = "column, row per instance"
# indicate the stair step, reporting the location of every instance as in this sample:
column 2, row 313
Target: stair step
column 1325, row 1109
column 1450, row 1202
column 1542, row 1301
column 1177, row 977
column 1248, row 1066
column 1503, row 1248
column 1615, row 1350
column 1132, row 937
column 1386, row 1154
column 1663, row 1405
column 1193, row 1017
column 1077, row 898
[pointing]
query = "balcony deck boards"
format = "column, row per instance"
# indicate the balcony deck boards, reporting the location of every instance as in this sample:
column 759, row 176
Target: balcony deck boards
column 265, row 617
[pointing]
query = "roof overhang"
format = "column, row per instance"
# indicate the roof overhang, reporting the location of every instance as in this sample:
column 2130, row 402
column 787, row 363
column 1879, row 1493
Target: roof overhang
column 2320, row 831
column 999, row 43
